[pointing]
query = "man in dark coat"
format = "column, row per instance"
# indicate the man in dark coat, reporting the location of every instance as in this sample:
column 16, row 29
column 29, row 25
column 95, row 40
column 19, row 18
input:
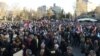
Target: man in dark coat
column 32, row 44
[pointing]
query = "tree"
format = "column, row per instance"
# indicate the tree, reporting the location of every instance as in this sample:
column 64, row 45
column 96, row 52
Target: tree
column 91, row 14
column 9, row 15
column 97, row 12
column 3, row 7
column 16, row 13
column 50, row 13
column 69, row 15
column 62, row 15
column 35, row 15
column 24, row 14
column 31, row 14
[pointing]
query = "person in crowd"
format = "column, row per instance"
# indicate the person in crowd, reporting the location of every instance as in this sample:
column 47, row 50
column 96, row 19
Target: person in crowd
column 63, row 46
column 88, row 45
column 92, row 53
column 68, row 51
column 46, row 38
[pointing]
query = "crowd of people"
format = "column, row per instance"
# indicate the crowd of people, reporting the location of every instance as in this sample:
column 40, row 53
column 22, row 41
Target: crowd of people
column 49, row 38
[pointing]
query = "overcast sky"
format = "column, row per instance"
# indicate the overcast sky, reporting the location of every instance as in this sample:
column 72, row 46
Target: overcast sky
column 67, row 5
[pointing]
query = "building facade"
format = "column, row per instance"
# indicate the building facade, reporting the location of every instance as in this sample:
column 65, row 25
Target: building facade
column 57, row 10
column 42, row 11
column 81, row 7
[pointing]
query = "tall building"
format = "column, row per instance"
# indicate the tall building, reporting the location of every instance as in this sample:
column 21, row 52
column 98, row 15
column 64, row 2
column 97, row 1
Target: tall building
column 81, row 7
column 42, row 10
column 57, row 10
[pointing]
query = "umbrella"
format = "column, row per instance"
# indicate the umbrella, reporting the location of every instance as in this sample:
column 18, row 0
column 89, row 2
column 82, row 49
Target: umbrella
column 87, row 19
